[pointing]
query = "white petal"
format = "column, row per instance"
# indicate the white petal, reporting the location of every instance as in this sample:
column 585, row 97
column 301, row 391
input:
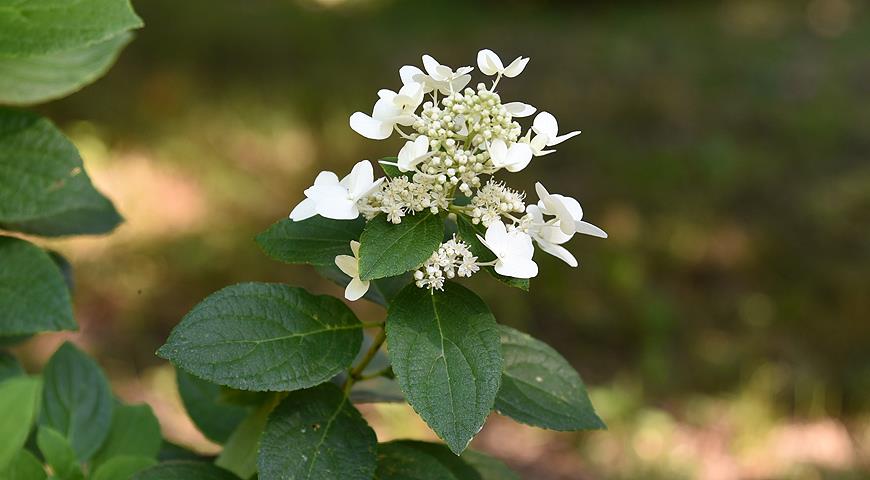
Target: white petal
column 519, row 109
column 464, row 70
column 488, row 62
column 337, row 208
column 431, row 65
column 348, row 265
column 407, row 74
column 542, row 194
column 562, row 138
column 553, row 234
column 516, row 67
column 571, row 204
column 559, row 252
column 386, row 109
column 354, row 247
column 459, row 83
column 306, row 209
column 497, row 237
column 369, row 127
column 589, row 229
column 326, row 178
column 517, row 267
column 519, row 156
column 545, row 124
column 360, row 179
column 498, row 153
column 385, row 94
column 356, row 289
column 519, row 245
column 325, row 191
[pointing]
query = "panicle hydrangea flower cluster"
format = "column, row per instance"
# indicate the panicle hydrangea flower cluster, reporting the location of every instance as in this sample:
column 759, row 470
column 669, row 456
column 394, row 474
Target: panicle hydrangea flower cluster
column 457, row 138
column 453, row 258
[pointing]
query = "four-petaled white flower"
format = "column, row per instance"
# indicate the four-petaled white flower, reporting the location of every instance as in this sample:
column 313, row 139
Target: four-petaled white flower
column 513, row 158
column 548, row 236
column 437, row 77
column 391, row 109
column 413, row 153
column 513, row 250
column 335, row 199
column 568, row 213
column 546, row 130
column 489, row 63
column 350, row 266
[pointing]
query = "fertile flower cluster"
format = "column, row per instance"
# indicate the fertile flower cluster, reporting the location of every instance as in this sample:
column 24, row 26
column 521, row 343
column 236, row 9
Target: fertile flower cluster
column 453, row 258
column 456, row 139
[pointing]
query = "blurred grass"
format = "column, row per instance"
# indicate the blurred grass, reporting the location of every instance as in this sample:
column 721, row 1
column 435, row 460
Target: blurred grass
column 725, row 149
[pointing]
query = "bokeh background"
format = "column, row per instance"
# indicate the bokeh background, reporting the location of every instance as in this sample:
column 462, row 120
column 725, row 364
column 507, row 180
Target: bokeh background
column 723, row 329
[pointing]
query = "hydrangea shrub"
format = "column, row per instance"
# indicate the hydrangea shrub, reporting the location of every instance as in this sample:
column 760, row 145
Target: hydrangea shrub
column 273, row 372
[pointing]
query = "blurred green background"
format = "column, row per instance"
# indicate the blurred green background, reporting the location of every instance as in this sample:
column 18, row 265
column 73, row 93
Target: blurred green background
column 724, row 328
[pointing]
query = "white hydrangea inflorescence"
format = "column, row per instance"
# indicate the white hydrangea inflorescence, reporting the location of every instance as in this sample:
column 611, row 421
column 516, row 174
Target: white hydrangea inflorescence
column 453, row 258
column 457, row 139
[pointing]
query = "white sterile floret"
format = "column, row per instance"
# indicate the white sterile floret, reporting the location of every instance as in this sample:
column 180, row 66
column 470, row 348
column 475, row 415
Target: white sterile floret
column 513, row 250
column 547, row 129
column 519, row 109
column 513, row 158
column 495, row 200
column 335, row 199
column 568, row 213
column 350, row 266
column 413, row 153
column 489, row 63
column 548, row 236
column 391, row 109
column 453, row 258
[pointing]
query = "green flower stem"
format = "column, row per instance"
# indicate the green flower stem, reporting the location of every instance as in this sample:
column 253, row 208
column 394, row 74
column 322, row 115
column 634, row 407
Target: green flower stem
column 385, row 372
column 355, row 372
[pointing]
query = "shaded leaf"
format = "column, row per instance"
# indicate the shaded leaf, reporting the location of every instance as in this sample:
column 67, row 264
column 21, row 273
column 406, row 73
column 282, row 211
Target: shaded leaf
column 48, row 26
column 265, row 337
column 134, row 432
column 184, row 470
column 204, row 402
column 317, row 434
column 122, row 467
column 487, row 467
column 539, row 387
column 58, row 454
column 240, row 452
column 315, row 241
column 44, row 189
column 76, row 400
column 39, row 78
column 24, row 466
column 446, row 356
column 387, row 249
column 19, row 402
column 9, row 366
column 33, row 293
column 412, row 460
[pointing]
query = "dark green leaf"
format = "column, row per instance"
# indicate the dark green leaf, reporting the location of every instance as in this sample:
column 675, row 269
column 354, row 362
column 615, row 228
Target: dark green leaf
column 265, row 337
column 315, row 241
column 122, row 467
column 76, row 400
column 185, row 470
column 204, row 403
column 489, row 468
column 412, row 460
column 135, row 432
column 240, row 452
column 469, row 231
column 172, row 452
column 33, row 293
column 24, row 466
column 388, row 249
column 19, row 402
column 35, row 79
column 65, row 269
column 317, row 434
column 446, row 357
column 37, row 28
column 540, row 388
column 58, row 454
column 44, row 189
column 12, row 340
column 9, row 366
